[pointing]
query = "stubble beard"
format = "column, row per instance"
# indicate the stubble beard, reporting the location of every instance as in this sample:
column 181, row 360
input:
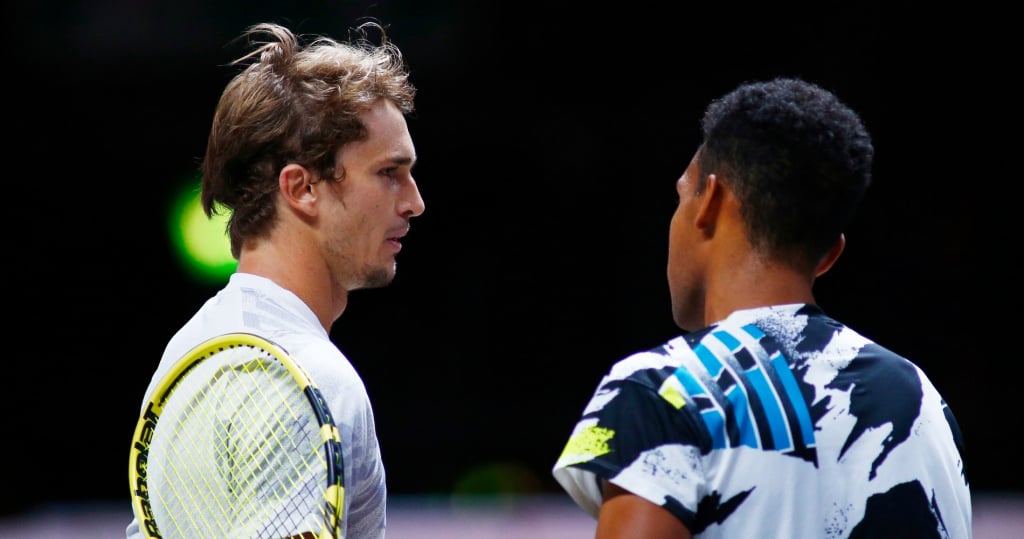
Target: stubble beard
column 378, row 277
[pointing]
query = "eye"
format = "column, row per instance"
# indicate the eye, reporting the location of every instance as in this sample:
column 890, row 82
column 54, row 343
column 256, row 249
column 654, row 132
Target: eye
column 391, row 173
column 393, row 177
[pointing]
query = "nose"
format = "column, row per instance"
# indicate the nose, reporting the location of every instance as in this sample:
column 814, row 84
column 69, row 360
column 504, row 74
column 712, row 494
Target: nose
column 412, row 204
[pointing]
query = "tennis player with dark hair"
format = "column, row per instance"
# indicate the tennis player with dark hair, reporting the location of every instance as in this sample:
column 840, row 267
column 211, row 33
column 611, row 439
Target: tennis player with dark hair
column 310, row 152
column 767, row 417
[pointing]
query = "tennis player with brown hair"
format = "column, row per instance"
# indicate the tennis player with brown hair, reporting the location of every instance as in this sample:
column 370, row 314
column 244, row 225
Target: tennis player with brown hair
column 311, row 153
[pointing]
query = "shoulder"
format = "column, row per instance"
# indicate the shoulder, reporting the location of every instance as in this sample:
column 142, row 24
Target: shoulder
column 325, row 363
column 652, row 366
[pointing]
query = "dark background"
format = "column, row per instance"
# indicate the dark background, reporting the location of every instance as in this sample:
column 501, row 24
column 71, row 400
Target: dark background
column 550, row 136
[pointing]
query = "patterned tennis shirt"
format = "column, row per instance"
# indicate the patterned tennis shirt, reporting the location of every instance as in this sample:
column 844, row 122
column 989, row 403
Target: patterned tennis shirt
column 775, row 422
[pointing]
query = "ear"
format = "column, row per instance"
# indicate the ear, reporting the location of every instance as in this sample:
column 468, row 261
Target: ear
column 296, row 185
column 831, row 257
column 709, row 204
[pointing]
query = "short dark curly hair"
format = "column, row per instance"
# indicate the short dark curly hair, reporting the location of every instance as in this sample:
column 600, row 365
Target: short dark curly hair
column 798, row 159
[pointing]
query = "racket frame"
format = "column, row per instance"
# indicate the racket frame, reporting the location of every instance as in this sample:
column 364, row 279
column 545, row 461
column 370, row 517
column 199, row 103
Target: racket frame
column 334, row 495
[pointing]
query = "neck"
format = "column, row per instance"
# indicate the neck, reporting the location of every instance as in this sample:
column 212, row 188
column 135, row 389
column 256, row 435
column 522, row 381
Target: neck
column 754, row 282
column 305, row 276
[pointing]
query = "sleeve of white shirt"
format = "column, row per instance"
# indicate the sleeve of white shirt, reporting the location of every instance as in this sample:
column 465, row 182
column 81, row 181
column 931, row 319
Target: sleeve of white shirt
column 343, row 389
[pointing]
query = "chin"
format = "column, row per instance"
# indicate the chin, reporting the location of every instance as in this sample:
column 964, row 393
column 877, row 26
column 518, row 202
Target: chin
column 379, row 278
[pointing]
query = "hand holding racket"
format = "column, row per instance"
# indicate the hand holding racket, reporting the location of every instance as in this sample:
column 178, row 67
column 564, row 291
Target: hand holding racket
column 237, row 442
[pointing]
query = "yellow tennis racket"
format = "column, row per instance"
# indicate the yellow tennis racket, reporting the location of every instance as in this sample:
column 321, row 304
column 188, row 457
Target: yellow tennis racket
column 237, row 442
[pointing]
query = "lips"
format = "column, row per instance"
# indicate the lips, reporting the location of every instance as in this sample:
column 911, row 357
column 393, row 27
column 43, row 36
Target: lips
column 395, row 239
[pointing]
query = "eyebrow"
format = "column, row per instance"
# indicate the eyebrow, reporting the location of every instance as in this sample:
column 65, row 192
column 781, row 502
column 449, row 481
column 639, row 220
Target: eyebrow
column 400, row 161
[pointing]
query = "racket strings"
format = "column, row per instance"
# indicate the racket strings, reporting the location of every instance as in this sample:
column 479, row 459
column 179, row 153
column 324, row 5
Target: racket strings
column 247, row 461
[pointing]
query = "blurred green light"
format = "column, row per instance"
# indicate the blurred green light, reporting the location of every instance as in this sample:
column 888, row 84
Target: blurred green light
column 201, row 243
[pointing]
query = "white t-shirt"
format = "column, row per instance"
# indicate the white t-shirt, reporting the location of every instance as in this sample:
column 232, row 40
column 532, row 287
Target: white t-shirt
column 254, row 304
